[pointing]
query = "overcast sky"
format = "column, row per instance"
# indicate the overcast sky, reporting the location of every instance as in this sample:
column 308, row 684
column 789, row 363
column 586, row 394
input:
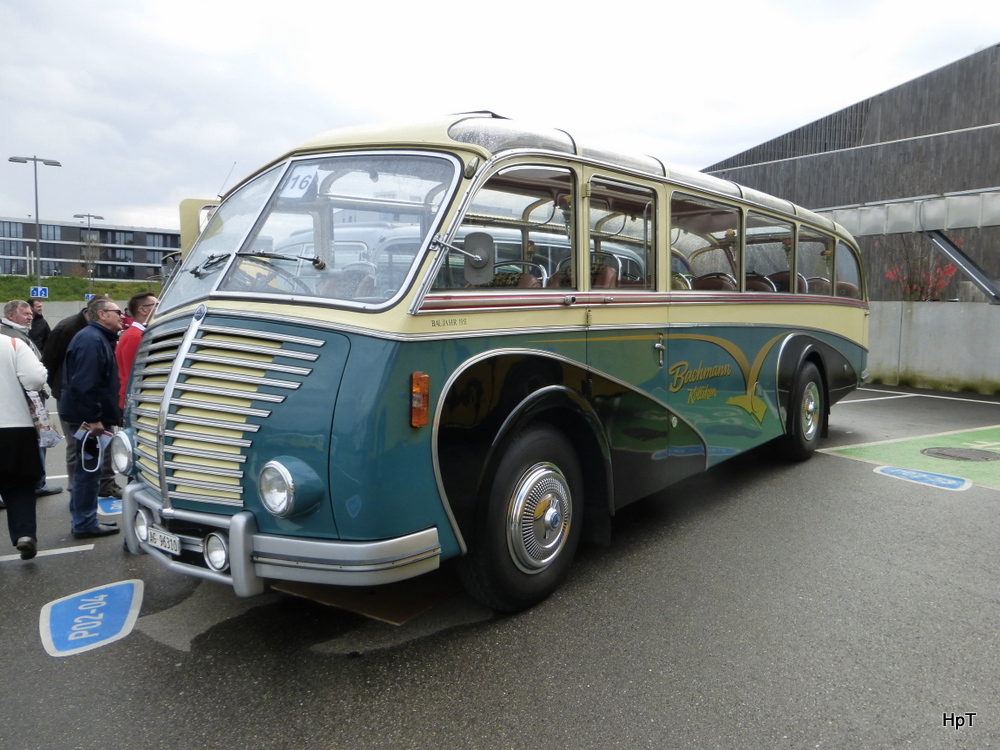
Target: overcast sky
column 146, row 102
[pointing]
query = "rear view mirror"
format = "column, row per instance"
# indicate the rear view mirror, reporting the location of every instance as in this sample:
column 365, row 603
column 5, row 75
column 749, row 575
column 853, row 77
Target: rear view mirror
column 479, row 251
column 168, row 265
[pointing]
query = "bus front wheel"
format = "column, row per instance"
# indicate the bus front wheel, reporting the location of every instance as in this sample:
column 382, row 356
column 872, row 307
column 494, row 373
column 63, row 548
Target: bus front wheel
column 806, row 411
column 529, row 527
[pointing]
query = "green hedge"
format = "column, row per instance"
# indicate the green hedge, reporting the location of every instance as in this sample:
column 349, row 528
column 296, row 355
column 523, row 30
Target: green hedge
column 71, row 289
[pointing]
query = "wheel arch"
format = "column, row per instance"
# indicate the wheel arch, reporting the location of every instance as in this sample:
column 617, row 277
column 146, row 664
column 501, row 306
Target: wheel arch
column 514, row 389
column 797, row 350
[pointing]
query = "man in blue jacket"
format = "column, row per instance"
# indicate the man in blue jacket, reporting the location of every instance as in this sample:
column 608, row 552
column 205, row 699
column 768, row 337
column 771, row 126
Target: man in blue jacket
column 90, row 400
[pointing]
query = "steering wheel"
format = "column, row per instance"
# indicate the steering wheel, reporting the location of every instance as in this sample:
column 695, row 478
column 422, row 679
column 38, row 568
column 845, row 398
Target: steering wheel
column 261, row 283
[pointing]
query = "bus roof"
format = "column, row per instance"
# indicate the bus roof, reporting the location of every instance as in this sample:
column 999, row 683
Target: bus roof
column 491, row 135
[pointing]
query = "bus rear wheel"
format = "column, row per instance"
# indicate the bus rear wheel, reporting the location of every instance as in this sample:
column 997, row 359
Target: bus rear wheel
column 529, row 526
column 806, row 411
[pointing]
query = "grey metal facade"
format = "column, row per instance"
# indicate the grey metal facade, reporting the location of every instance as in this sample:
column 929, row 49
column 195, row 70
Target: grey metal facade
column 939, row 133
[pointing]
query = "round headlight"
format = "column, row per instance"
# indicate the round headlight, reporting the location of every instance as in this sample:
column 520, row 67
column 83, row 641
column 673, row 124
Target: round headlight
column 216, row 551
column 122, row 452
column 277, row 489
column 142, row 522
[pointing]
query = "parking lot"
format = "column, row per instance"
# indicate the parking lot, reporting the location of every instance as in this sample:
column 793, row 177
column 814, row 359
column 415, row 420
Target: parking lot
column 828, row 604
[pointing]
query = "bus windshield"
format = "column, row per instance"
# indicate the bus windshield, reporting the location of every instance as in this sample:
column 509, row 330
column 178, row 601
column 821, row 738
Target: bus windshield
column 345, row 228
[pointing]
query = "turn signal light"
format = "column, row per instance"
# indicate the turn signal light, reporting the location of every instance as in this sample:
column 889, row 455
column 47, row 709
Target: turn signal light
column 420, row 399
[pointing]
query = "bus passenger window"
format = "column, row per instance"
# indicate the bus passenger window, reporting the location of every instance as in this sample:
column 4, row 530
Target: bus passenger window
column 848, row 273
column 704, row 244
column 769, row 255
column 622, row 236
column 816, row 261
column 528, row 211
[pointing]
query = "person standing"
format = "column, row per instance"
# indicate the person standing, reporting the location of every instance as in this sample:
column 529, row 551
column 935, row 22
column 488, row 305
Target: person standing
column 90, row 401
column 53, row 357
column 16, row 323
column 39, row 331
column 141, row 308
column 20, row 370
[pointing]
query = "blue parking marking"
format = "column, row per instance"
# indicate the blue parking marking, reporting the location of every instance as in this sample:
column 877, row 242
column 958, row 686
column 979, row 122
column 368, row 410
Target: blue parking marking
column 942, row 481
column 90, row 619
column 109, row 506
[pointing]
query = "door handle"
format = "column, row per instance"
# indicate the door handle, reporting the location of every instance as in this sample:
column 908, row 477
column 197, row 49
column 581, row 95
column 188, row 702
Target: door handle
column 660, row 348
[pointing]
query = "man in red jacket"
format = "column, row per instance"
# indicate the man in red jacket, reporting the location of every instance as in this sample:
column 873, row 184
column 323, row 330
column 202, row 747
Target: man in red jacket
column 140, row 307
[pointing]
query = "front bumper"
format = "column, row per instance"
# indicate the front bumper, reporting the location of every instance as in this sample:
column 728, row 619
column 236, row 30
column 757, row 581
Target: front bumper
column 256, row 557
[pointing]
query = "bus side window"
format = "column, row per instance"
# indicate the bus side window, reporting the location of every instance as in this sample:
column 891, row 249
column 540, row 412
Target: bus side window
column 816, row 261
column 704, row 244
column 769, row 255
column 848, row 273
column 528, row 211
column 622, row 236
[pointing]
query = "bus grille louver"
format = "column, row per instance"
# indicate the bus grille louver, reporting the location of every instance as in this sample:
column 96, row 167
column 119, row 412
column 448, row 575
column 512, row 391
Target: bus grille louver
column 224, row 383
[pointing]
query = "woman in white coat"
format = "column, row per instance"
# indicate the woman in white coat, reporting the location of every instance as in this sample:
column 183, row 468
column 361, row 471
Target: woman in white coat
column 21, row 465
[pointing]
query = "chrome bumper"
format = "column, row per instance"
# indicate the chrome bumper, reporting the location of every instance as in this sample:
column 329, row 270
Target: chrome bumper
column 255, row 557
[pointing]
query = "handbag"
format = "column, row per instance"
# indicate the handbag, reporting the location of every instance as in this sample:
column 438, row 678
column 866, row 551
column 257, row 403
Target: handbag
column 48, row 435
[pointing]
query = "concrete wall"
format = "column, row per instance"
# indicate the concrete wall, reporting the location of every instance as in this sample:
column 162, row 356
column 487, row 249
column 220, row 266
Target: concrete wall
column 948, row 346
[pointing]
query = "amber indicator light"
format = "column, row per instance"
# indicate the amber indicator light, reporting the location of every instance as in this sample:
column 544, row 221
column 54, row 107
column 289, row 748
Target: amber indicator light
column 420, row 399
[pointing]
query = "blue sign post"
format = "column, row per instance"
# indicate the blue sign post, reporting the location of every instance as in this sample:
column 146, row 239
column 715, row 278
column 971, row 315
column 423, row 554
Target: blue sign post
column 39, row 292
column 90, row 619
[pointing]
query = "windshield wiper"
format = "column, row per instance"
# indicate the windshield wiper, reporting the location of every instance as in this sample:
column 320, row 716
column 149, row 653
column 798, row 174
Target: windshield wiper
column 314, row 259
column 212, row 260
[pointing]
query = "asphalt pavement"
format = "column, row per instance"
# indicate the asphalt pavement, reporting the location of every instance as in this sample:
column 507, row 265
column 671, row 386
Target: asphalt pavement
column 827, row 604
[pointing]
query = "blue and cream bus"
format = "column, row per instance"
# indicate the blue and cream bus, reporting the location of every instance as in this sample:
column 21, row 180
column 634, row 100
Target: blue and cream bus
column 476, row 340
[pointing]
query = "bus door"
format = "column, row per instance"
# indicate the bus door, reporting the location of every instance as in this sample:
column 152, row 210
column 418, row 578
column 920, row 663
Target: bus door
column 715, row 353
column 627, row 332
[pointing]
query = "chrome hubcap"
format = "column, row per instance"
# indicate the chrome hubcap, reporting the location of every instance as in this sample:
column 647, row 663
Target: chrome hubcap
column 538, row 518
column 810, row 411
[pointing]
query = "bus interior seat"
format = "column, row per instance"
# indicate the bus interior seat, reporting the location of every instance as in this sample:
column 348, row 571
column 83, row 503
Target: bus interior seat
column 847, row 289
column 714, row 282
column 782, row 284
column 759, row 283
column 819, row 285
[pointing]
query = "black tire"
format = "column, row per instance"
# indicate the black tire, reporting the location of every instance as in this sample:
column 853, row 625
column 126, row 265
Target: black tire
column 806, row 412
column 528, row 525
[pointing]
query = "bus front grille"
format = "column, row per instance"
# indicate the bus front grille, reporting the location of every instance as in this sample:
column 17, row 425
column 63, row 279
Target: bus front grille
column 199, row 395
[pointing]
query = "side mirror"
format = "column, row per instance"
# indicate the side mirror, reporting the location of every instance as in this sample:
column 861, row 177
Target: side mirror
column 479, row 251
column 168, row 265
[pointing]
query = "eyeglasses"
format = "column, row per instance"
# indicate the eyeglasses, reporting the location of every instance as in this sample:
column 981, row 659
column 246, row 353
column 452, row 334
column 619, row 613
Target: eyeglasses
column 151, row 304
column 114, row 310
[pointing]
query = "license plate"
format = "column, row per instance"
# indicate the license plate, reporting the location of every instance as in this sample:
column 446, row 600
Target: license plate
column 164, row 540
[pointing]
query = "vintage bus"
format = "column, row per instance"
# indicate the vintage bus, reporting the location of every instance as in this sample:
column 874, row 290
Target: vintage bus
column 470, row 339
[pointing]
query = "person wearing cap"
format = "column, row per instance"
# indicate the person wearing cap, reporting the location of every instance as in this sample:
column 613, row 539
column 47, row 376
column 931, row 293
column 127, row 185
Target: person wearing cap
column 90, row 402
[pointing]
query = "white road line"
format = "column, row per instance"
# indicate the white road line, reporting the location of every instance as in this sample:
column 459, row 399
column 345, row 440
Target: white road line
column 51, row 552
column 875, row 398
column 905, row 439
column 893, row 394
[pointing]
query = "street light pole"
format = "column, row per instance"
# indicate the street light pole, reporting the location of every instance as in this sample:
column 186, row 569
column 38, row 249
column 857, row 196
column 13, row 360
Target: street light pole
column 89, row 244
column 38, row 226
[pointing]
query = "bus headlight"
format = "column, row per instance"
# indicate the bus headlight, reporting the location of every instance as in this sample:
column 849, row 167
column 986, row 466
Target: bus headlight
column 216, row 552
column 123, row 452
column 288, row 486
column 142, row 523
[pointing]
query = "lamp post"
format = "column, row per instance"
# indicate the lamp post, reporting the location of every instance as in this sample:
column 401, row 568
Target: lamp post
column 38, row 226
column 89, row 245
